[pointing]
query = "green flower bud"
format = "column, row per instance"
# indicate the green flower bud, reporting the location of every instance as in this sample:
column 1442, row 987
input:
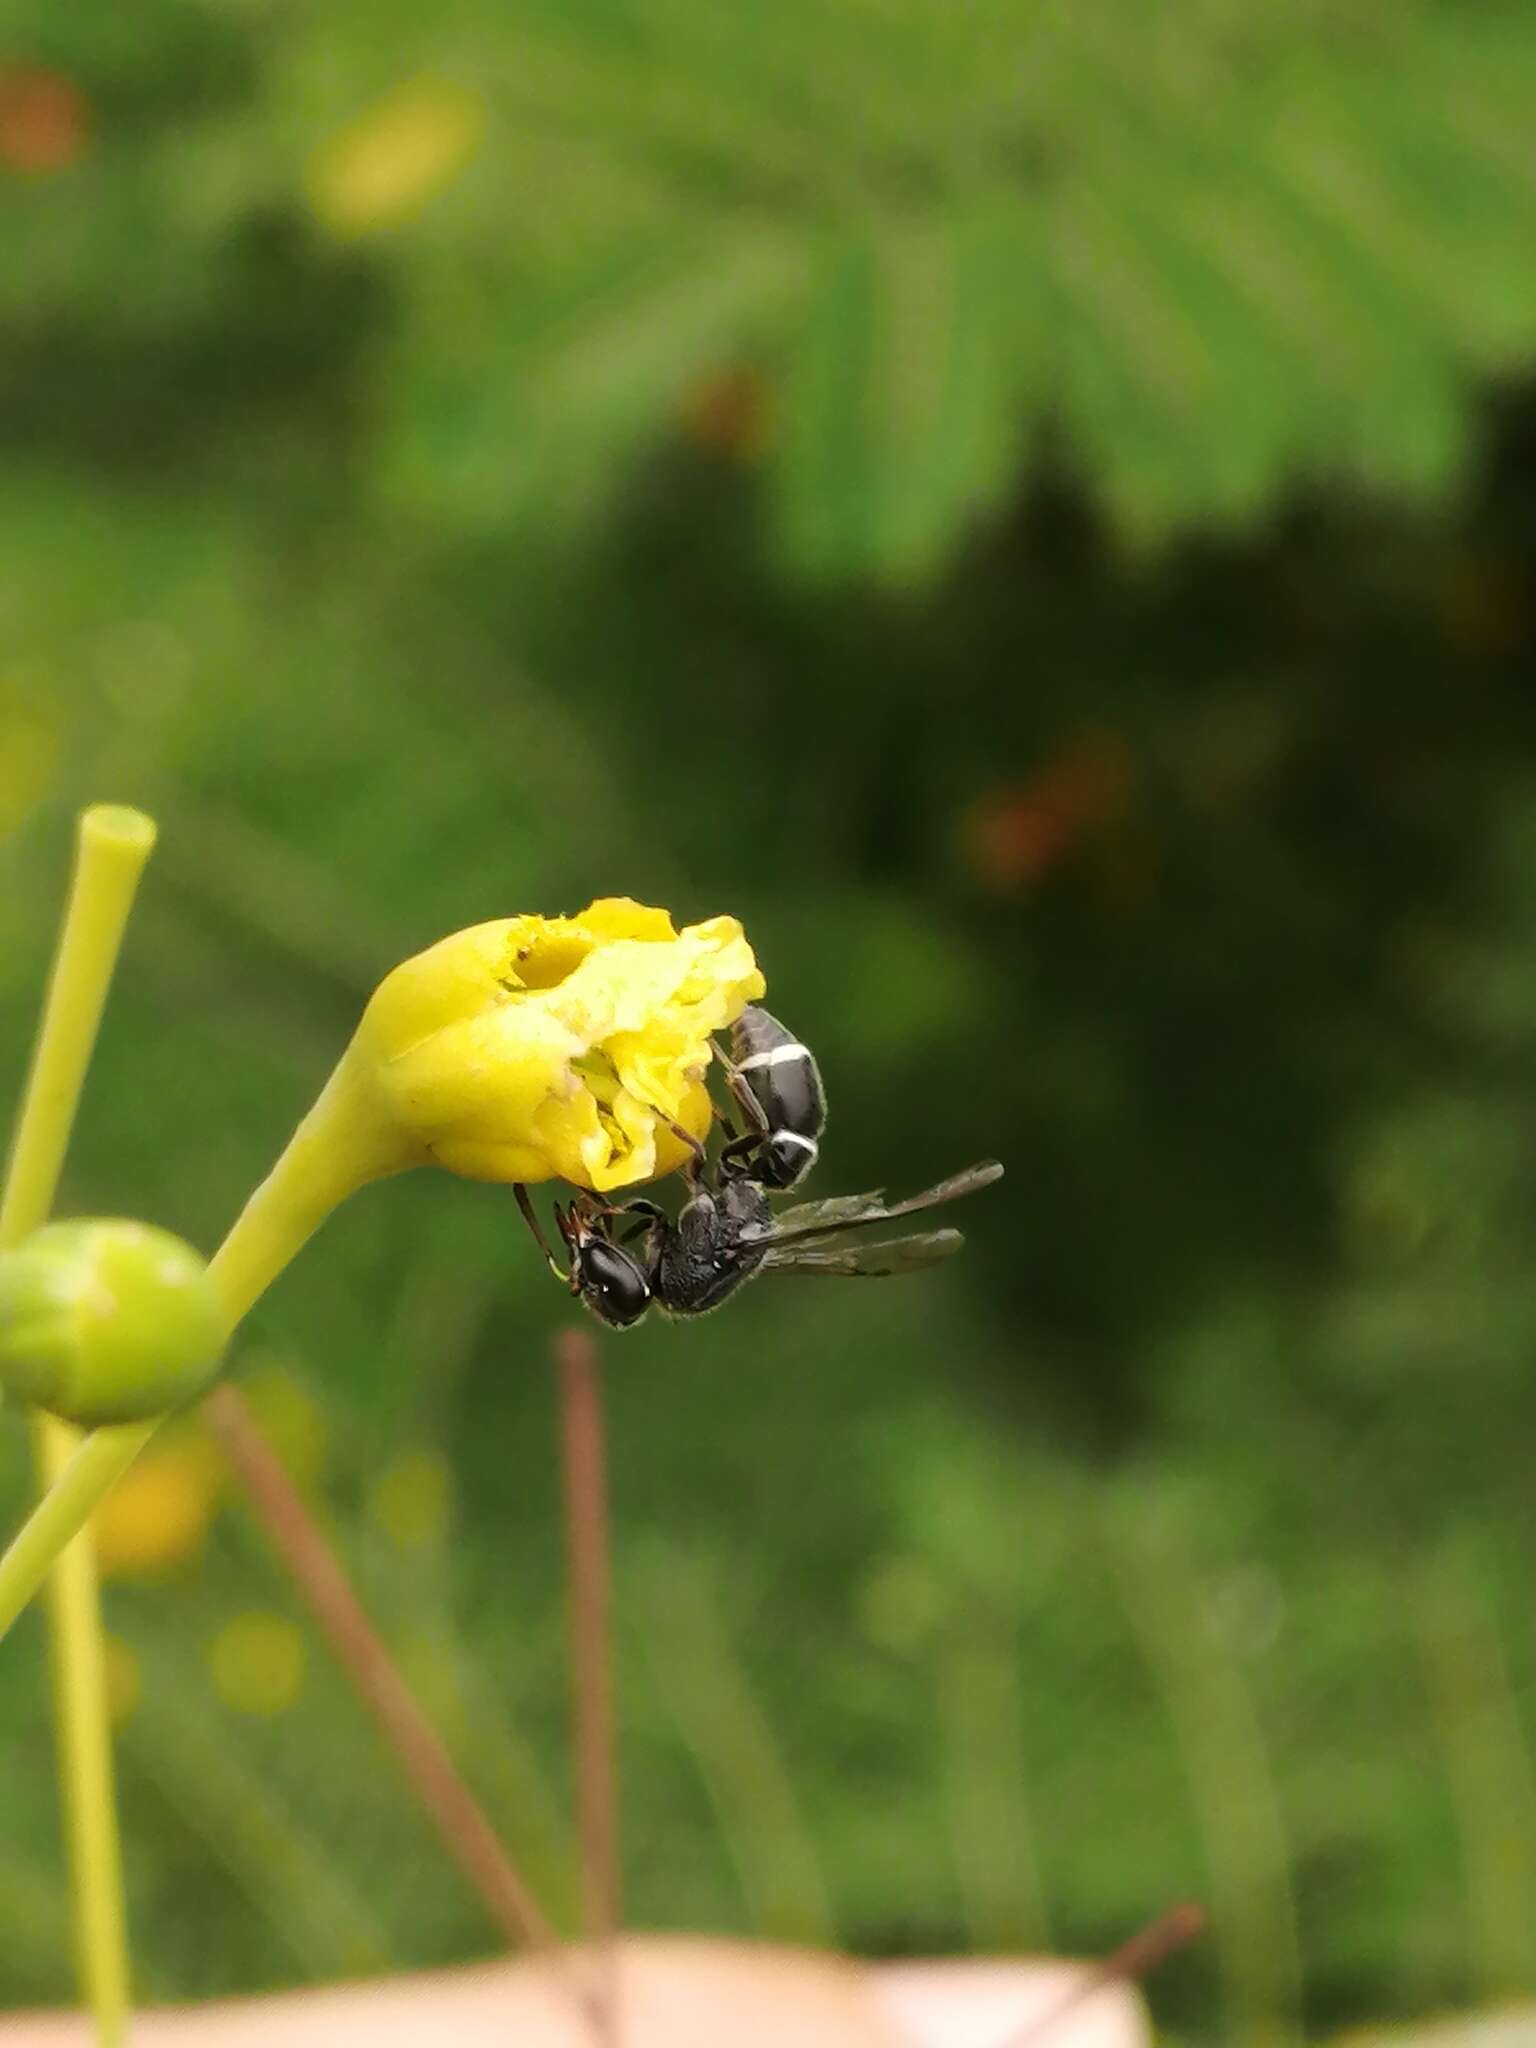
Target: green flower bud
column 107, row 1321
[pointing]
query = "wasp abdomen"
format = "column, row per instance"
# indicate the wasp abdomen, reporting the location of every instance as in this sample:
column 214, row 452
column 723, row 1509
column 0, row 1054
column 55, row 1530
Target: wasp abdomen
column 778, row 1083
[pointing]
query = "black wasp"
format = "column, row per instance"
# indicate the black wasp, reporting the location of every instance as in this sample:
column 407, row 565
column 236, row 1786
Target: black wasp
column 727, row 1232
column 722, row 1236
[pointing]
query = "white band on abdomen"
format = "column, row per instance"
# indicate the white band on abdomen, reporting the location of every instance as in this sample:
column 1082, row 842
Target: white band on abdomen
column 778, row 1057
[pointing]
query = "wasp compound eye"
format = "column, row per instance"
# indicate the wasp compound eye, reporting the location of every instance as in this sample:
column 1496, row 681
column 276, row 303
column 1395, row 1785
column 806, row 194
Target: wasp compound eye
column 611, row 1284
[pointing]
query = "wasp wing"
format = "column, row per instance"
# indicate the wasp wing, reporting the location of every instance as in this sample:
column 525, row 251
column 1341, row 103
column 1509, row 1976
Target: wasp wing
column 832, row 1213
column 865, row 1261
column 857, row 1212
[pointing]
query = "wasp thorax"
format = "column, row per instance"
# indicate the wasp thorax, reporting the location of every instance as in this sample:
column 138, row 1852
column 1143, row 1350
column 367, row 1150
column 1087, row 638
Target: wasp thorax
column 107, row 1321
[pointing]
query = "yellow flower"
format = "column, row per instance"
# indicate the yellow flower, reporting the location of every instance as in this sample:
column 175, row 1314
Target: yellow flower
column 531, row 1048
column 535, row 1048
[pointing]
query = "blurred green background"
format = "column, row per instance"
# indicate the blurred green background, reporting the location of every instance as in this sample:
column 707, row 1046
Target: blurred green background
column 1034, row 509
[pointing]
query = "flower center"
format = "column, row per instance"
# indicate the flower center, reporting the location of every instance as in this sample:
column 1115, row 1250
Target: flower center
column 546, row 961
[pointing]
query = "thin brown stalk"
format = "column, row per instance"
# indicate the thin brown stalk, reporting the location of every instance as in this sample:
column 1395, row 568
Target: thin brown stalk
column 588, row 1568
column 360, row 1650
column 1150, row 1946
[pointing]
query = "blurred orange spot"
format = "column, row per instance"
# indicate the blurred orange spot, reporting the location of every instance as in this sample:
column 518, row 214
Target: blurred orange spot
column 45, row 121
column 729, row 414
column 1016, row 834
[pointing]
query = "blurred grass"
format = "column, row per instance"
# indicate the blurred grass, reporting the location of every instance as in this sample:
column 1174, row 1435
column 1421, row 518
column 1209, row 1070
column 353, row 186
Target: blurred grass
column 1264, row 1226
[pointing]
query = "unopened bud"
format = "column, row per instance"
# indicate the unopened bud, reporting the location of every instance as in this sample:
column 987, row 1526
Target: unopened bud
column 107, row 1321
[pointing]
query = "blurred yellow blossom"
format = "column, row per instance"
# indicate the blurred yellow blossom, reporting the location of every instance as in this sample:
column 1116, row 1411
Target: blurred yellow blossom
column 412, row 1499
column 383, row 166
column 159, row 1513
column 288, row 1415
column 29, row 745
column 258, row 1663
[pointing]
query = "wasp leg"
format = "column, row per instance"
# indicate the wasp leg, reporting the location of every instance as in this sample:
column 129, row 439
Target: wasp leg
column 532, row 1221
column 650, row 1219
column 696, row 1165
column 740, row 1150
column 745, row 1100
column 729, row 1065
column 651, row 1211
column 723, row 1119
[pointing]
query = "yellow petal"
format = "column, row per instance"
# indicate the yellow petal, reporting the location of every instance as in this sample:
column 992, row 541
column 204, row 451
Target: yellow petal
column 530, row 1047
column 453, row 980
column 621, row 917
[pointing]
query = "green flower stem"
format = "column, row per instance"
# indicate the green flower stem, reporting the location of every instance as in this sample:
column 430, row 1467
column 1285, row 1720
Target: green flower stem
column 112, row 846
column 336, row 1149
column 342, row 1144
column 101, row 1460
column 83, row 1738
